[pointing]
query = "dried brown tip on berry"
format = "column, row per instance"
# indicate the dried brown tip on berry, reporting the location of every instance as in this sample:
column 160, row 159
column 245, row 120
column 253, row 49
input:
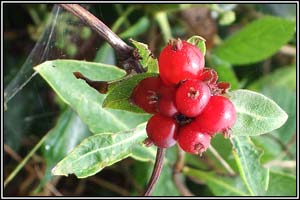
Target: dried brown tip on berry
column 153, row 97
column 200, row 149
column 224, row 87
column 226, row 133
column 148, row 142
column 193, row 94
column 175, row 44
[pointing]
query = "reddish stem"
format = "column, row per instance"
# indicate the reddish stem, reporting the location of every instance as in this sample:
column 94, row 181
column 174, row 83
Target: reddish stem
column 160, row 155
column 125, row 52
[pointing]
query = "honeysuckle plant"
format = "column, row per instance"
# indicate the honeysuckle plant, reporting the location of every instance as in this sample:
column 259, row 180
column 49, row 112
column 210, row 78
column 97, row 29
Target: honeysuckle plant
column 102, row 96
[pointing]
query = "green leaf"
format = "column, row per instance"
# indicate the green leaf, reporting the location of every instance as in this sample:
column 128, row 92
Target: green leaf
column 193, row 161
column 247, row 157
column 143, row 153
column 256, row 41
column 67, row 133
column 219, row 185
column 99, row 151
column 281, row 184
column 284, row 76
column 227, row 18
column 256, row 114
column 119, row 95
column 147, row 59
column 270, row 147
column 142, row 171
column 167, row 8
column 287, row 99
column 280, row 86
column 86, row 101
column 165, row 185
column 106, row 55
column 199, row 42
column 136, row 29
column 85, row 32
column 164, row 25
column 224, row 148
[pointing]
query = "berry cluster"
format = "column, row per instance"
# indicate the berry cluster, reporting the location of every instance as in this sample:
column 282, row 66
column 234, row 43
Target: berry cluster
column 188, row 103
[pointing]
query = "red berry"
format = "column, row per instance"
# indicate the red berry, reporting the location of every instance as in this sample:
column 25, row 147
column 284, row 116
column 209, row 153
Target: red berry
column 166, row 103
column 192, row 97
column 146, row 94
column 218, row 115
column 193, row 141
column 180, row 60
column 162, row 131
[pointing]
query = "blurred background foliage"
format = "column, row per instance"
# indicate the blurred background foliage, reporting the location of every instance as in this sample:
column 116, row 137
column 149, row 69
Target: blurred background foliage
column 37, row 32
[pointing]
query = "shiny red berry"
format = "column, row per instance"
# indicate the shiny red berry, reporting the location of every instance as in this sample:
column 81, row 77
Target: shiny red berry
column 166, row 103
column 192, row 97
column 162, row 131
column 146, row 94
column 180, row 60
column 218, row 115
column 193, row 141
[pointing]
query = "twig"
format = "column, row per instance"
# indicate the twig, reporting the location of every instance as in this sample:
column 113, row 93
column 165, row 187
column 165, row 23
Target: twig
column 125, row 52
column 80, row 188
column 110, row 186
column 289, row 164
column 117, row 43
column 282, row 163
column 12, row 153
column 24, row 161
column 26, row 183
column 16, row 156
column 160, row 155
column 129, row 60
column 283, row 146
column 221, row 160
column 179, row 164
column 288, row 50
column 291, row 141
column 177, row 168
column 48, row 185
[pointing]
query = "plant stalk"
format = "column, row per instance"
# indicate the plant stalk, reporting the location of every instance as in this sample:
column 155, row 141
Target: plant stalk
column 24, row 161
column 221, row 160
column 160, row 155
column 129, row 62
column 125, row 52
column 176, row 173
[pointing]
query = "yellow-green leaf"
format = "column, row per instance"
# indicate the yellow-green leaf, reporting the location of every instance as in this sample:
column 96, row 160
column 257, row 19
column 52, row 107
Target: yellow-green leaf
column 86, row 101
column 99, row 151
column 256, row 113
column 256, row 41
